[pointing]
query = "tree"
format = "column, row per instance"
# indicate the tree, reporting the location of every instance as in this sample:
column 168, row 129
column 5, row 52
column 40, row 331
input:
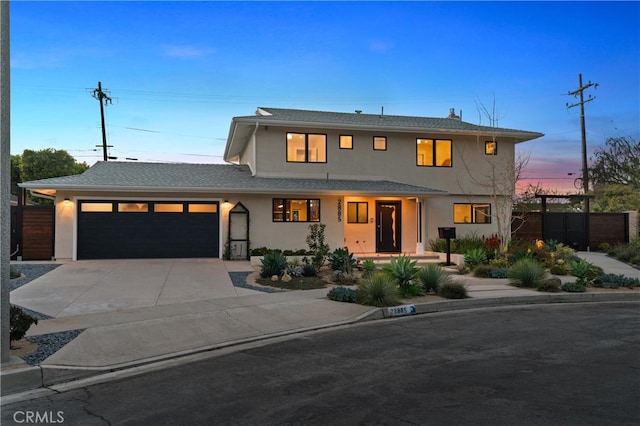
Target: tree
column 615, row 198
column 616, row 163
column 499, row 182
column 16, row 167
column 48, row 163
column 43, row 164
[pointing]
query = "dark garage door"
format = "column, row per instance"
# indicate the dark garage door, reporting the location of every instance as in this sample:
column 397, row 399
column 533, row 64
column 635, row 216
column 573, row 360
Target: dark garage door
column 159, row 229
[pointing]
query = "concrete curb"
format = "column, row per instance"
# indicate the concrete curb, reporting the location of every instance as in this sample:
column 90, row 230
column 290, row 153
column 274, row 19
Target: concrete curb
column 18, row 383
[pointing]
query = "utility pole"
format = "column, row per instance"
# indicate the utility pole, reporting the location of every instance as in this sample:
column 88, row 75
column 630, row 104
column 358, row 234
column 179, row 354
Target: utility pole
column 5, row 167
column 104, row 100
column 585, row 169
column 580, row 91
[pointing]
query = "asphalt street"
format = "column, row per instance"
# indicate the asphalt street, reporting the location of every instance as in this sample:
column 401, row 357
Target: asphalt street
column 575, row 364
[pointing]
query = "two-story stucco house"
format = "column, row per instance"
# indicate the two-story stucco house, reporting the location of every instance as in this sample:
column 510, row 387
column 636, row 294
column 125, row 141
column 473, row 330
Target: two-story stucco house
column 380, row 184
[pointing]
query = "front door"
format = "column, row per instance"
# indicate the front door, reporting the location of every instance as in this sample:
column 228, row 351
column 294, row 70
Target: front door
column 388, row 227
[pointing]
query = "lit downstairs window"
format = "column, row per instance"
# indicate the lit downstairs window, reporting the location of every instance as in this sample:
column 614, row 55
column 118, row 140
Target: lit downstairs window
column 471, row 213
column 296, row 210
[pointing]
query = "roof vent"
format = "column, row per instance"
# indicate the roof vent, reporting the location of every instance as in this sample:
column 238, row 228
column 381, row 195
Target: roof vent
column 452, row 114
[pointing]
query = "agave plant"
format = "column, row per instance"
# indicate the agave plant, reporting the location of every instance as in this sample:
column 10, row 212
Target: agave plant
column 474, row 257
column 342, row 260
column 273, row 263
column 402, row 269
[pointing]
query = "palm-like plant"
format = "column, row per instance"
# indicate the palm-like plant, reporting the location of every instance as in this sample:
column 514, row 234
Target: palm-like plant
column 402, row 269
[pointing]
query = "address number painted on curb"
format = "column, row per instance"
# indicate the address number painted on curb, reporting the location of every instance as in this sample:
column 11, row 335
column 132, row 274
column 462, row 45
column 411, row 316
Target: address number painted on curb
column 397, row 311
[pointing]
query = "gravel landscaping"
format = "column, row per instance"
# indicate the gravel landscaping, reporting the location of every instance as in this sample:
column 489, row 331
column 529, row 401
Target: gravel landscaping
column 239, row 279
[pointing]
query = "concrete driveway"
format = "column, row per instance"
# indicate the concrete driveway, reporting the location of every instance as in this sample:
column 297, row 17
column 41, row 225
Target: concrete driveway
column 92, row 286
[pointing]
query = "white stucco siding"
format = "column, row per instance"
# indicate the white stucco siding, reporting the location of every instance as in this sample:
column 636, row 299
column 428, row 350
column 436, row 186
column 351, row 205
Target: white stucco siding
column 471, row 171
column 264, row 232
column 439, row 213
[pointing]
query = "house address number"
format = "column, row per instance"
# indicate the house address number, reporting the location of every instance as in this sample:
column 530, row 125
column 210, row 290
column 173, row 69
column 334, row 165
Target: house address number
column 398, row 311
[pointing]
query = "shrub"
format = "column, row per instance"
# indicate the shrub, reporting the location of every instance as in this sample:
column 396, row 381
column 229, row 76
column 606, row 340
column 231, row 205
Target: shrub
column 342, row 260
column 259, row 251
column 19, row 323
column 453, row 291
column 483, row 271
column 499, row 262
column 369, row 267
column 14, row 272
column 466, row 243
column 525, row 273
column 432, row 277
column 615, row 281
column 342, row 294
column 475, row 257
column 317, row 245
column 273, row 263
column 463, row 269
column 558, row 269
column 550, row 285
column 411, row 290
column 584, row 271
column 402, row 269
column 308, row 270
column 574, row 287
column 500, row 273
column 379, row 290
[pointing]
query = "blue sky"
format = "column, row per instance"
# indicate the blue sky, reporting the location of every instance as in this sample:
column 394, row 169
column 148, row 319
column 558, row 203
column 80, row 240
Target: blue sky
column 179, row 71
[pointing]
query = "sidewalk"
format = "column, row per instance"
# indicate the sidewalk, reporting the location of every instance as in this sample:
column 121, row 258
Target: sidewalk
column 119, row 340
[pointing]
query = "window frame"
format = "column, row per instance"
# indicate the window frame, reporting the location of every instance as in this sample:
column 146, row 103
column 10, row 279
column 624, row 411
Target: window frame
column 434, row 151
column 489, row 151
column 474, row 216
column 382, row 138
column 350, row 141
column 358, row 204
column 283, row 212
column 306, row 147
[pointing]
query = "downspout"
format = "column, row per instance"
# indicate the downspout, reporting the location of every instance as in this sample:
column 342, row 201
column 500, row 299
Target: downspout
column 254, row 169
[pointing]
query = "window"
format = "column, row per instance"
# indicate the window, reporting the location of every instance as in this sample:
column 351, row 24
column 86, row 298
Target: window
column 357, row 212
column 380, row 143
column 96, row 207
column 294, row 210
column 472, row 213
column 203, row 208
column 346, row 142
column 133, row 207
column 306, row 148
column 168, row 208
column 433, row 152
column 491, row 148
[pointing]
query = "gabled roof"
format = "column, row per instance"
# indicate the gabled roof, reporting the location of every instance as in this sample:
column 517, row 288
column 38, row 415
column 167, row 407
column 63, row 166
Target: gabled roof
column 242, row 126
column 109, row 176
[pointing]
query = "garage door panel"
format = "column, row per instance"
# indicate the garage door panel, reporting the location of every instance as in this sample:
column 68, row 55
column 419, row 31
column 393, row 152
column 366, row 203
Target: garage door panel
column 120, row 235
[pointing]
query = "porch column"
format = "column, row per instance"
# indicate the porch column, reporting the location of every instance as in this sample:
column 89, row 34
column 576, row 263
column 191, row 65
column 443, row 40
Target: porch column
column 419, row 244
